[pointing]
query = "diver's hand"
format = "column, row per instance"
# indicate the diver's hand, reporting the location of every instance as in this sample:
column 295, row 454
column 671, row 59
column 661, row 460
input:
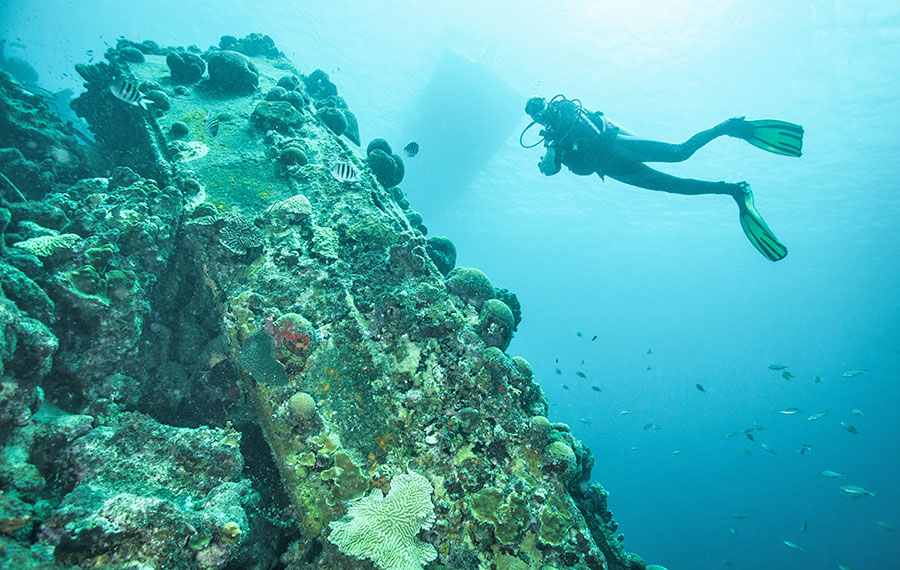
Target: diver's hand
column 548, row 163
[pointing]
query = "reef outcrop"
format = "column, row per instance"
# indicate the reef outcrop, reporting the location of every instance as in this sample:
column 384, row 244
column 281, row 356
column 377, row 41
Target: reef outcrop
column 354, row 381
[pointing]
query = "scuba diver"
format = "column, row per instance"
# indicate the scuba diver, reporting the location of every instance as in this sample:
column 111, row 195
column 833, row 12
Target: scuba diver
column 587, row 143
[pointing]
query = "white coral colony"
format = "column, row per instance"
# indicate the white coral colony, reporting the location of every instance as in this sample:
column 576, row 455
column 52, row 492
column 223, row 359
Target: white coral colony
column 384, row 528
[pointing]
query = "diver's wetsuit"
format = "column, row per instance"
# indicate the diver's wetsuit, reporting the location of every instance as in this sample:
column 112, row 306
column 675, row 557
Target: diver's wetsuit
column 587, row 143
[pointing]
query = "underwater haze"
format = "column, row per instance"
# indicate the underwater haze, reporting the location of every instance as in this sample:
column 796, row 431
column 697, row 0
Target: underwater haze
column 669, row 286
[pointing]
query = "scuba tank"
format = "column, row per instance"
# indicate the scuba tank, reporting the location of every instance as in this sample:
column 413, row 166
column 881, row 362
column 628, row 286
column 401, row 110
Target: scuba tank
column 550, row 117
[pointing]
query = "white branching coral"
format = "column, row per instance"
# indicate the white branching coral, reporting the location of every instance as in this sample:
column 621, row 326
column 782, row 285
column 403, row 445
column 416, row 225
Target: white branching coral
column 384, row 528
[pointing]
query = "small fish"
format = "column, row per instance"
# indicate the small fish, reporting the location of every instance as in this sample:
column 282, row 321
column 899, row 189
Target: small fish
column 787, row 375
column 593, row 338
column 886, row 526
column 624, row 412
column 740, row 516
column 412, row 149
column 596, row 388
column 558, row 371
column 578, row 333
column 125, row 90
column 580, row 374
column 649, row 368
column 818, row 416
column 746, row 452
column 832, row 474
column 843, row 567
column 634, row 448
column 678, row 452
column 651, row 425
column 818, row 380
column 649, row 351
column 803, row 527
column 791, row 411
column 556, row 361
column 756, row 426
column 768, row 448
column 850, row 427
column 586, row 421
column 212, row 124
column 805, row 447
column 344, row 172
column 790, row 544
column 565, row 386
column 734, row 532
column 857, row 412
column 732, row 434
column 750, row 436
column 699, row 387
column 728, row 563
column 856, row 491
column 582, row 362
column 852, row 373
column 777, row 367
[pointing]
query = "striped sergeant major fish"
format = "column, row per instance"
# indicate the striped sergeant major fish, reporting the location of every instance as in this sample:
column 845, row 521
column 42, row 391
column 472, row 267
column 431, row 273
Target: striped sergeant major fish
column 344, row 172
column 125, row 90
column 212, row 124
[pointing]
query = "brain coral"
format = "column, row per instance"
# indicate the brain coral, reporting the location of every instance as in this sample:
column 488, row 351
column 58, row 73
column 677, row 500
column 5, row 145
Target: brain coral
column 471, row 285
column 384, row 529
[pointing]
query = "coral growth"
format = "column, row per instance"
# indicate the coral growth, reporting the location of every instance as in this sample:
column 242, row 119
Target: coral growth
column 384, row 528
column 232, row 72
column 185, row 67
column 365, row 410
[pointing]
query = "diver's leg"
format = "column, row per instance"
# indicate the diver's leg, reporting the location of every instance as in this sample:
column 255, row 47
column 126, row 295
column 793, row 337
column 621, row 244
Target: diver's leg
column 646, row 150
column 642, row 176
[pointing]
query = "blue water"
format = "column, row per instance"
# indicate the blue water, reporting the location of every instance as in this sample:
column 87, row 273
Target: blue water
column 640, row 269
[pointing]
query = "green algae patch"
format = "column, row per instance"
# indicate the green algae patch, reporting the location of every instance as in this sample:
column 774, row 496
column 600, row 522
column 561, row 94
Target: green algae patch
column 555, row 522
column 373, row 232
column 510, row 518
column 85, row 282
column 348, row 479
column 484, row 504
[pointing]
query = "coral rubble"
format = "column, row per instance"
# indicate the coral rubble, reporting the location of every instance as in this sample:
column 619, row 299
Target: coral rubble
column 364, row 411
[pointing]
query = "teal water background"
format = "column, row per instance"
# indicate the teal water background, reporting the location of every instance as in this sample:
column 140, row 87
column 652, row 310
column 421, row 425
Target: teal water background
column 639, row 269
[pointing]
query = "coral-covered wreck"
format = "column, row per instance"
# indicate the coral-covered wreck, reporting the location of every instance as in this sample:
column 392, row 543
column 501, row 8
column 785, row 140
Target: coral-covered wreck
column 199, row 264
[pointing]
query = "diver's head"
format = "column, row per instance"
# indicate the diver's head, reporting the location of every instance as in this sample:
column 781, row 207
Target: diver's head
column 535, row 107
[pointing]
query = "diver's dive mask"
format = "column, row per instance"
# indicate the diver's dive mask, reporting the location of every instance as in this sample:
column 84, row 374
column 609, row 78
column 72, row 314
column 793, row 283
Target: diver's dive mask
column 541, row 112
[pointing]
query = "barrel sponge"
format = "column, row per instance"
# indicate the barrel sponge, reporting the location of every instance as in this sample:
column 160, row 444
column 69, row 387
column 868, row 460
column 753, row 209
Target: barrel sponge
column 334, row 119
column 442, row 252
column 471, row 285
column 379, row 144
column 185, row 67
column 384, row 528
column 387, row 168
column 232, row 72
